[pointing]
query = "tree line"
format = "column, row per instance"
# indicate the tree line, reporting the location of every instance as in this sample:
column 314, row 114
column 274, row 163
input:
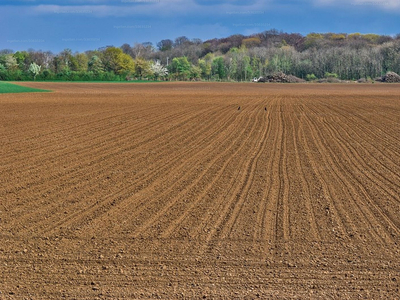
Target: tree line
column 235, row 58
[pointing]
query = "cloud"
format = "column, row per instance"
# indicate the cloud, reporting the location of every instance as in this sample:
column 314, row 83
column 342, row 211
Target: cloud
column 53, row 2
column 103, row 10
column 124, row 2
column 382, row 4
column 153, row 8
column 388, row 4
column 224, row 2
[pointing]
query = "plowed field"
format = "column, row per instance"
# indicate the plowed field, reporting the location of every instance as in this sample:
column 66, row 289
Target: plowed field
column 126, row 191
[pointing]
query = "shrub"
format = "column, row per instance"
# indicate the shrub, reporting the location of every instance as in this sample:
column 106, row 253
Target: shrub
column 311, row 77
column 331, row 75
column 46, row 75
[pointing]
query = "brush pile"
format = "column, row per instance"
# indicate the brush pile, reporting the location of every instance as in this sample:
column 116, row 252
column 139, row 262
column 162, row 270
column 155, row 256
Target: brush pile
column 279, row 77
column 390, row 77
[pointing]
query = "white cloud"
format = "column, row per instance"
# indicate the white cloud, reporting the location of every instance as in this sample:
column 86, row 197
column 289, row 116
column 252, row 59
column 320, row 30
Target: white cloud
column 153, row 8
column 389, row 4
column 98, row 10
column 382, row 4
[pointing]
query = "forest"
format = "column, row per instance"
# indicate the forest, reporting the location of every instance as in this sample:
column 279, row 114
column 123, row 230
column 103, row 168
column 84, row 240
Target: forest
column 235, row 58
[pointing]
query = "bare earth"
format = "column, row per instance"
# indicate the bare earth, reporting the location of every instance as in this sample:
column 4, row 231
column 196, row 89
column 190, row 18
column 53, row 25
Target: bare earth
column 124, row 191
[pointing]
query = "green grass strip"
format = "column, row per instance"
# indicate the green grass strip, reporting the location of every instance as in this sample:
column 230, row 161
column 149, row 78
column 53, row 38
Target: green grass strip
column 6, row 88
column 100, row 81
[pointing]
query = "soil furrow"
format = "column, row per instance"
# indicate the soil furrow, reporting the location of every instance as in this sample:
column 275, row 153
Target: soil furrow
column 179, row 190
column 353, row 193
column 144, row 180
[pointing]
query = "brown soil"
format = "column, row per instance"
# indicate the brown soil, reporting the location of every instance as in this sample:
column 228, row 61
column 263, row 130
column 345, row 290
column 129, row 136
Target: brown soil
column 126, row 191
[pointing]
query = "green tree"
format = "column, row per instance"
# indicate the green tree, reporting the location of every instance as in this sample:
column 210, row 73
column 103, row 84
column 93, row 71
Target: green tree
column 205, row 67
column 142, row 68
column 312, row 39
column 180, row 67
column 242, row 62
column 20, row 57
column 82, row 62
column 127, row 65
column 66, row 61
column 218, row 67
column 330, row 75
column 256, row 66
column 231, row 67
column 10, row 63
column 95, row 65
column 311, row 77
column 195, row 72
column 3, row 72
column 117, row 61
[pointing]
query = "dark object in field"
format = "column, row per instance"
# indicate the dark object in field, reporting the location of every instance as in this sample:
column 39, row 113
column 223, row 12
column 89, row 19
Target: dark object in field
column 260, row 79
column 391, row 77
column 239, row 108
column 279, row 77
column 265, row 108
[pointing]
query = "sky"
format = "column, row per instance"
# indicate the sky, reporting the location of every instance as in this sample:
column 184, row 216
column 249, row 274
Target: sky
column 82, row 25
